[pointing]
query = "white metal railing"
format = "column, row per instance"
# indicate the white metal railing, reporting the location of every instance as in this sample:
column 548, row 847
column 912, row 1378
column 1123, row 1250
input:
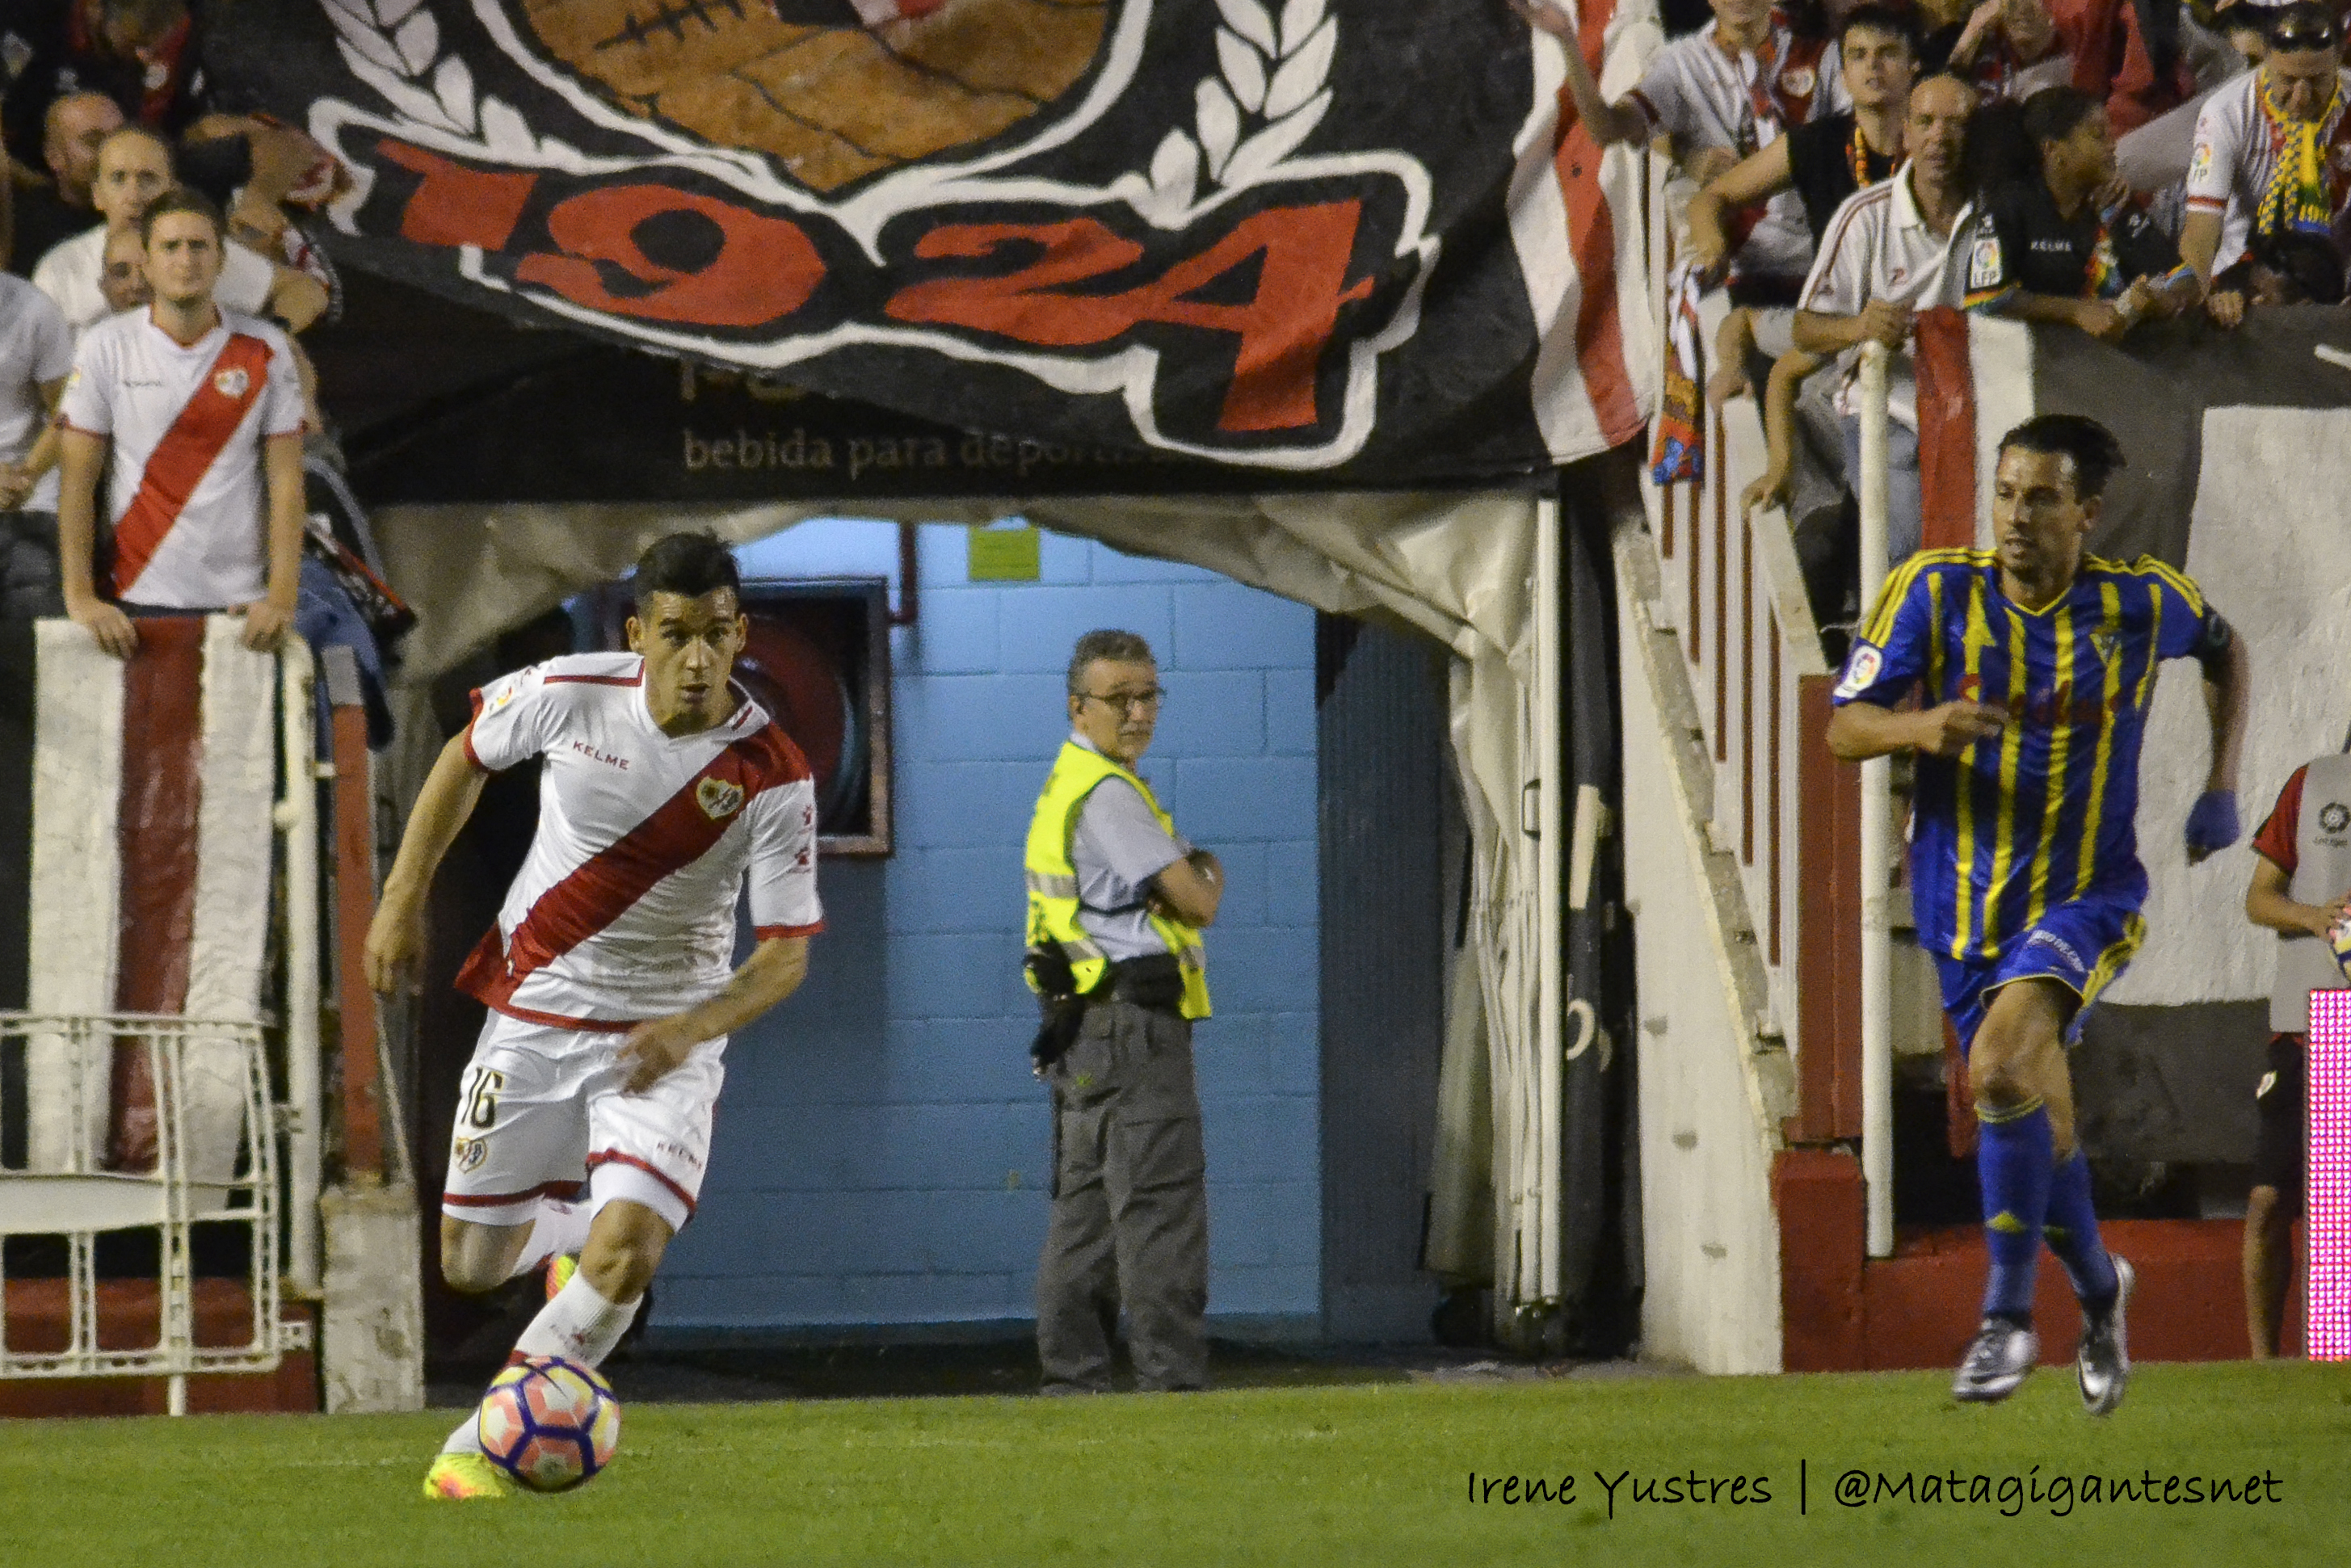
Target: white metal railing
column 1876, row 956
column 230, row 1179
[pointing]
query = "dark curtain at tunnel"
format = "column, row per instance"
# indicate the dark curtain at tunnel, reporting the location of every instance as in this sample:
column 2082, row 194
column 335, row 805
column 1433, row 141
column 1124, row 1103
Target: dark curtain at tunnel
column 1600, row 1272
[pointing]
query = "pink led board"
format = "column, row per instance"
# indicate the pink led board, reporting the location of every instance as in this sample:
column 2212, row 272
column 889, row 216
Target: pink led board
column 2330, row 1175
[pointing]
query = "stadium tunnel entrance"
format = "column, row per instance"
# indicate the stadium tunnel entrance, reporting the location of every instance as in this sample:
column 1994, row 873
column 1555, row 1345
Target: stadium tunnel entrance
column 1349, row 708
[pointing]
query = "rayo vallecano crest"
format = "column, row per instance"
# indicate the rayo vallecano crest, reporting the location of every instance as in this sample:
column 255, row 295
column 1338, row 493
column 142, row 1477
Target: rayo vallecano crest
column 1149, row 203
column 719, row 798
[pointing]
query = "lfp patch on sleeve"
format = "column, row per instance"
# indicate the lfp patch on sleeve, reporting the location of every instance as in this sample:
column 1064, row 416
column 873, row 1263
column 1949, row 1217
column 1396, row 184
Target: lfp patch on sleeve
column 1860, row 671
column 1983, row 263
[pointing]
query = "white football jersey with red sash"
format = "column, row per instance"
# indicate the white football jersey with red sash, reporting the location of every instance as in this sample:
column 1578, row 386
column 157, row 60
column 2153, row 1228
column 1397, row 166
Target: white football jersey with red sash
column 185, row 488
column 625, row 908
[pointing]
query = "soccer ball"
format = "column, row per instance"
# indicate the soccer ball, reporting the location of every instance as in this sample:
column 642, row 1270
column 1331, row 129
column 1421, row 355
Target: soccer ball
column 551, row 1423
column 2339, row 938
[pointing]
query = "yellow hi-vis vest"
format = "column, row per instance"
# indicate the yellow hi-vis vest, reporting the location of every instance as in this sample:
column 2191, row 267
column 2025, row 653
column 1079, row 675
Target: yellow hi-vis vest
column 1053, row 880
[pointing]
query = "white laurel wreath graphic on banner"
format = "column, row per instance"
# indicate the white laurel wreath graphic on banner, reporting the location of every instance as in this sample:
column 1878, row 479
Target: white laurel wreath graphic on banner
column 1250, row 120
column 394, row 47
column 1272, row 86
column 1272, row 80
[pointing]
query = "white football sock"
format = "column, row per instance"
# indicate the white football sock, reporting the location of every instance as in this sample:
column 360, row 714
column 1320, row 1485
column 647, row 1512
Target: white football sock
column 466, row 1439
column 559, row 1227
column 578, row 1324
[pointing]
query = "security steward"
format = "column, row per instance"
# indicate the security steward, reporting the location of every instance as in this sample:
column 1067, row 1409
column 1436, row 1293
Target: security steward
column 1116, row 903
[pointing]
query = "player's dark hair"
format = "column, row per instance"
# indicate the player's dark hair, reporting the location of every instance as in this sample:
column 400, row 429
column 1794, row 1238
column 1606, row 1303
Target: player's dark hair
column 2057, row 113
column 1883, row 19
column 688, row 564
column 181, row 199
column 2089, row 446
column 2302, row 27
column 1118, row 647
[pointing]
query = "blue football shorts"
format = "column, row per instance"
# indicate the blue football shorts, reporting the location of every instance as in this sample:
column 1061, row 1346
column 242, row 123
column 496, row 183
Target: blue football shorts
column 2083, row 945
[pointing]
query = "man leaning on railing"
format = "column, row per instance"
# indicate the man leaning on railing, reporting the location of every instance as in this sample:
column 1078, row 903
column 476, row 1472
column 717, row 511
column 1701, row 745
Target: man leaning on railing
column 1887, row 255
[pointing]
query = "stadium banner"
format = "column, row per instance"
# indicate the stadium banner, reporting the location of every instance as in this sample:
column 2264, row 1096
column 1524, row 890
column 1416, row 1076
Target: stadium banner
column 1330, row 238
column 605, row 424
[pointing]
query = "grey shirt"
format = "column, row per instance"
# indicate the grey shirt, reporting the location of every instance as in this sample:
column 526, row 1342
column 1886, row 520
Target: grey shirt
column 1118, row 847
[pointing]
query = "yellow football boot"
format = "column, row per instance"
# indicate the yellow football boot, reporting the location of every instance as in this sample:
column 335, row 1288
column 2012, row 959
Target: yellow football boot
column 560, row 1269
column 462, row 1477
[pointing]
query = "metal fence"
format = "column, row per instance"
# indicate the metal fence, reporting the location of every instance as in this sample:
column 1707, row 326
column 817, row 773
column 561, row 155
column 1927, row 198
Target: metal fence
column 215, row 1166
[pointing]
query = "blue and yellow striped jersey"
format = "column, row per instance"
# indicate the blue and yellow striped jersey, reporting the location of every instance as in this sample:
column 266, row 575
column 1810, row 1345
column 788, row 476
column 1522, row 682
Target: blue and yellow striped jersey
column 2042, row 813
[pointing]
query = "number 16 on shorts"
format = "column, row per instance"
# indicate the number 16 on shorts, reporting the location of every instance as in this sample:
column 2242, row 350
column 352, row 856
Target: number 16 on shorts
column 477, row 1113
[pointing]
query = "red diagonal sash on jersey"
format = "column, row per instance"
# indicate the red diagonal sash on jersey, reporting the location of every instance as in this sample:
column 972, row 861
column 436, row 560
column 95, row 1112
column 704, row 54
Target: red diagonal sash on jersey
column 604, row 887
column 181, row 458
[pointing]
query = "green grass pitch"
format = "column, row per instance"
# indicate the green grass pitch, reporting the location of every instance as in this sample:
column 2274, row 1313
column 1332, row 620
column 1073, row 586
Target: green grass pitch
column 1359, row 1474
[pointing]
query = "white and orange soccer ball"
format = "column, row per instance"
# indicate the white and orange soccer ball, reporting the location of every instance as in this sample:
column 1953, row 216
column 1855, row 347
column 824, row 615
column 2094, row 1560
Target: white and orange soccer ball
column 551, row 1423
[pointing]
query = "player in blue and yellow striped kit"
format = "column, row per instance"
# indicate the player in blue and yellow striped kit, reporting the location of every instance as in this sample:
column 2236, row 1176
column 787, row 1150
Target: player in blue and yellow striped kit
column 2036, row 662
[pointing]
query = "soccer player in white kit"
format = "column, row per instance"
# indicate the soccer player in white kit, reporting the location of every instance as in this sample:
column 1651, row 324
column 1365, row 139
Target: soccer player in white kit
column 583, row 1124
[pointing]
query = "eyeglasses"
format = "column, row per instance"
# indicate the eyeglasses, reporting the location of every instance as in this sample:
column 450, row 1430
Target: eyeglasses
column 1148, row 701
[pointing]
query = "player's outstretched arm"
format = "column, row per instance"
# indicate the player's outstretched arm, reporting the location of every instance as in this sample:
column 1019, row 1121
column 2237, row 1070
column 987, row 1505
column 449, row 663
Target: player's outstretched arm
column 1861, row 730
column 774, row 971
column 2228, row 696
column 396, row 935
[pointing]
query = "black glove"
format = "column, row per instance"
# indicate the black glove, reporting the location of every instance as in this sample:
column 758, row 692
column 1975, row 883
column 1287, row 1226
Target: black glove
column 1064, row 1016
column 1056, row 984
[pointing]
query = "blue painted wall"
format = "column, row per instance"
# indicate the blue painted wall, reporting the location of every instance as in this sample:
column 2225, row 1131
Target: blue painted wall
column 882, row 1151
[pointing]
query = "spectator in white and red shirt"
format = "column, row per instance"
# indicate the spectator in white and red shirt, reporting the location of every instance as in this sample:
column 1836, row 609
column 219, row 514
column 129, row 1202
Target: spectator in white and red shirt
column 203, row 410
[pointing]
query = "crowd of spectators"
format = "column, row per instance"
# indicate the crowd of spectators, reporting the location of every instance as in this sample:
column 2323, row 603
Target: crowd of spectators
column 2093, row 163
column 106, row 113
column 2088, row 163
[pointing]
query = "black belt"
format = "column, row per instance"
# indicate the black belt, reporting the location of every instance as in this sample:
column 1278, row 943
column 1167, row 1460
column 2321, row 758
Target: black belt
column 1155, row 982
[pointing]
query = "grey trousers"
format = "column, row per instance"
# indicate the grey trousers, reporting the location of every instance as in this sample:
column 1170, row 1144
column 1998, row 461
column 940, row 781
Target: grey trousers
column 1903, row 510
column 1129, row 1219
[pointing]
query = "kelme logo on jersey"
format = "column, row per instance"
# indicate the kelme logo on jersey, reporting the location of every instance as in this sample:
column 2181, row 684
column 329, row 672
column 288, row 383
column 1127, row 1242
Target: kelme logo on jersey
column 231, row 384
column 718, row 798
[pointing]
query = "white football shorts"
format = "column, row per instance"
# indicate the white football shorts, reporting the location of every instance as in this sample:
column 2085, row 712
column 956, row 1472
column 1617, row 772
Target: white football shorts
column 541, row 1113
